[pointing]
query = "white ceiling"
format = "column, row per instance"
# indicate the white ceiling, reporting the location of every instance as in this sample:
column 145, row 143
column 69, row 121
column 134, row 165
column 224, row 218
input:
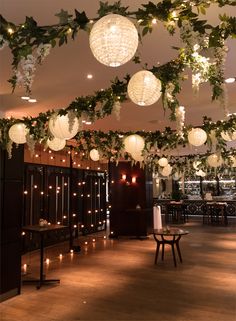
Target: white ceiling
column 62, row 77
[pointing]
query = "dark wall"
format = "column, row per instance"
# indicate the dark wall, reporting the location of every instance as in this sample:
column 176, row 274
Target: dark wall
column 125, row 196
column 11, row 207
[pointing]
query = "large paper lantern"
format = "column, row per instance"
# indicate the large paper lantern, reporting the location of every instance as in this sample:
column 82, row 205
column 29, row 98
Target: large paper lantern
column 56, row 143
column 144, row 88
column 18, row 132
column 60, row 126
column 197, row 136
column 94, row 155
column 228, row 136
column 214, row 160
column 166, row 171
column 163, row 162
column 113, row 40
column 134, row 144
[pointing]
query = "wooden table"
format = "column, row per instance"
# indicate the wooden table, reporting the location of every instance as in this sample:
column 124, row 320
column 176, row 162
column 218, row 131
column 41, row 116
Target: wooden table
column 169, row 236
column 42, row 231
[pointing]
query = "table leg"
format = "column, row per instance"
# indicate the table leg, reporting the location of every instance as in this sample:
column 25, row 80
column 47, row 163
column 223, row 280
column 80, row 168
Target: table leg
column 178, row 249
column 41, row 277
column 163, row 251
column 157, row 251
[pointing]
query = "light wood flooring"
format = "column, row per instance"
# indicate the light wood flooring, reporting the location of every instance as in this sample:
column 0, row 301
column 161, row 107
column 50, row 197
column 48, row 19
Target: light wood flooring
column 116, row 279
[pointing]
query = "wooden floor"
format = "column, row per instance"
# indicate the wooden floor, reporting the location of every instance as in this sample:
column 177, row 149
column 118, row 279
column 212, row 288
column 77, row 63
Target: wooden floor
column 117, row 280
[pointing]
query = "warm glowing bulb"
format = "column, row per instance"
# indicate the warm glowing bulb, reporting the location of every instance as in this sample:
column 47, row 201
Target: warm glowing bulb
column 47, row 261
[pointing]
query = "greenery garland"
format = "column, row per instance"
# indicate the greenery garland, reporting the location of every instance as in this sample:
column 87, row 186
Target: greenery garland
column 25, row 39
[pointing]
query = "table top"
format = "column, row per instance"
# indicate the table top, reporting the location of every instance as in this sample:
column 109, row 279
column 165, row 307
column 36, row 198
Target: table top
column 172, row 231
column 43, row 229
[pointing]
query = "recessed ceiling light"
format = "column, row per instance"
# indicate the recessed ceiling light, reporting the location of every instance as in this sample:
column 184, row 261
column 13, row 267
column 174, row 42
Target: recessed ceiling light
column 32, row 100
column 89, row 76
column 230, row 80
column 88, row 123
column 25, row 97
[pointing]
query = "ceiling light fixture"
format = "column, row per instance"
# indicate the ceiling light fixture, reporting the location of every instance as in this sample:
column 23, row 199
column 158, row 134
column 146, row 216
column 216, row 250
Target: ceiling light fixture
column 89, row 76
column 230, row 80
column 25, row 97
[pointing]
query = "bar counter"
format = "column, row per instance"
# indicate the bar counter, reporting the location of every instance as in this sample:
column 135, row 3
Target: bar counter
column 197, row 207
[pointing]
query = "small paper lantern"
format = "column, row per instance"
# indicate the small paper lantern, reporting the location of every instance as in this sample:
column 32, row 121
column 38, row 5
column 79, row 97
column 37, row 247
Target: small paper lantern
column 94, row 155
column 214, row 160
column 113, row 40
column 228, row 136
column 18, row 132
column 197, row 136
column 163, row 162
column 196, row 164
column 134, row 144
column 177, row 176
column 60, row 127
column 166, row 171
column 56, row 143
column 201, row 173
column 144, row 88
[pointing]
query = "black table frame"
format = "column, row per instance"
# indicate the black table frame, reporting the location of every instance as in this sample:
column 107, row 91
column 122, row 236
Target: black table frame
column 176, row 235
column 42, row 231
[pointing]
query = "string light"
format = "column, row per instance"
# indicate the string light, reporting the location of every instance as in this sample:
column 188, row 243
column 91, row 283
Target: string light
column 47, row 261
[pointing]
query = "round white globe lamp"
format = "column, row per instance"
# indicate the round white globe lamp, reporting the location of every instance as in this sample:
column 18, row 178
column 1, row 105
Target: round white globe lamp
column 60, row 127
column 134, row 144
column 197, row 136
column 163, row 161
column 113, row 40
column 214, row 160
column 56, row 144
column 166, row 171
column 144, row 88
column 94, row 155
column 18, row 132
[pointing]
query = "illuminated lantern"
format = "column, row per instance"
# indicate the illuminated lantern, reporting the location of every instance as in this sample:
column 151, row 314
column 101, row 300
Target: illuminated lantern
column 214, row 160
column 197, row 136
column 163, row 161
column 60, row 126
column 94, row 155
column 56, row 143
column 144, row 88
column 228, row 136
column 177, row 176
column 134, row 144
column 113, row 40
column 18, row 132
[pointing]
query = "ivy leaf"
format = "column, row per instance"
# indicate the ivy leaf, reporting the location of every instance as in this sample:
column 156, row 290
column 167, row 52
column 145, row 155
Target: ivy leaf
column 136, row 60
column 81, row 19
column 63, row 16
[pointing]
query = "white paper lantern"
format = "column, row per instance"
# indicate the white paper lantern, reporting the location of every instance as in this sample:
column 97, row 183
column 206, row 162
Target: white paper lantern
column 113, row 40
column 18, row 132
column 56, row 143
column 214, row 160
column 201, row 173
column 60, row 127
column 163, row 161
column 196, row 164
column 134, row 144
column 177, row 176
column 228, row 136
column 166, row 171
column 197, row 136
column 144, row 88
column 94, row 155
